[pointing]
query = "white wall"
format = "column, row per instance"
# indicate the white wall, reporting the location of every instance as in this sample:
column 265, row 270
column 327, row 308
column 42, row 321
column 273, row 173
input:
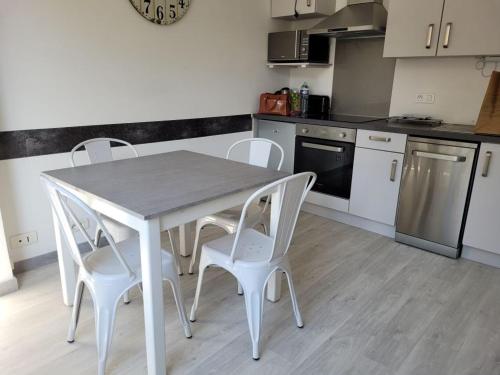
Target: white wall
column 459, row 88
column 69, row 63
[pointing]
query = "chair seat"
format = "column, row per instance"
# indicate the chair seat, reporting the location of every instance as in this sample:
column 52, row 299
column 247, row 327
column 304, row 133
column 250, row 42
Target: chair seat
column 254, row 247
column 232, row 216
column 118, row 231
column 104, row 262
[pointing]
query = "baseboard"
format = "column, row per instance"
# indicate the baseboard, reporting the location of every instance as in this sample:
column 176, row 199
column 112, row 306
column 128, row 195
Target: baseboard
column 44, row 259
column 355, row 221
column 481, row 256
column 8, row 286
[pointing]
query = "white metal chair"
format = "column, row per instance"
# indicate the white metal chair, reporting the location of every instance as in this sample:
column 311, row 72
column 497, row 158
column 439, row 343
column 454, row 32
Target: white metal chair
column 107, row 272
column 252, row 257
column 99, row 151
column 259, row 155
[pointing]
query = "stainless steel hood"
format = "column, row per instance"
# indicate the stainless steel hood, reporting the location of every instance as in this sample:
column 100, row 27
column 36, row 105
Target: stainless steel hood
column 359, row 19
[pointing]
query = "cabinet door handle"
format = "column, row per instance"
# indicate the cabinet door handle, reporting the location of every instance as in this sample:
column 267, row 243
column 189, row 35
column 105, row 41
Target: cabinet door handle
column 447, row 35
column 309, row 3
column 275, row 131
column 379, row 139
column 430, row 31
column 394, row 166
column 486, row 166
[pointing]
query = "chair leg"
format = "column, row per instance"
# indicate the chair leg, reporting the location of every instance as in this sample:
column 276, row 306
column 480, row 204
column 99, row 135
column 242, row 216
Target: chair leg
column 98, row 235
column 264, row 226
column 179, row 301
column 104, row 321
column 75, row 316
column 199, row 227
column 240, row 289
column 254, row 303
column 126, row 298
column 201, row 272
column 293, row 297
column 175, row 253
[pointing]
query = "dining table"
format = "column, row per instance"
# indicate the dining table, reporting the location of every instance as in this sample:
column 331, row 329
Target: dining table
column 152, row 194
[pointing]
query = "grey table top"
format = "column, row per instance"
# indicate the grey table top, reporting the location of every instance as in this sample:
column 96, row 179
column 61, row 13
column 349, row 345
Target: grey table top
column 155, row 185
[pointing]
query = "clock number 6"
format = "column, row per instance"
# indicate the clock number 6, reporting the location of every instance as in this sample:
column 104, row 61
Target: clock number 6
column 172, row 11
column 159, row 13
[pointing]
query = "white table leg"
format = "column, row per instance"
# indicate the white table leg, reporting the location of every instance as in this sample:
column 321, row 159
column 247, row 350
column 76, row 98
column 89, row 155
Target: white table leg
column 186, row 239
column 152, row 285
column 67, row 267
column 274, row 284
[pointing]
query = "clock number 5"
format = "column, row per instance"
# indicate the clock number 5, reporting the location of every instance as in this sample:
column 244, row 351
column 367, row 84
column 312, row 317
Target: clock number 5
column 159, row 13
column 173, row 14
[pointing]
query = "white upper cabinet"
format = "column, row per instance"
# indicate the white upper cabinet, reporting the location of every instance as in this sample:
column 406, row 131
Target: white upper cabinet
column 470, row 28
column 305, row 8
column 442, row 28
column 482, row 230
column 413, row 28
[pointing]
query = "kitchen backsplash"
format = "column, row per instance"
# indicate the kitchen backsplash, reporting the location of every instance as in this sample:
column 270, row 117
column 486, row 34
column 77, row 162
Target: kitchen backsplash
column 455, row 82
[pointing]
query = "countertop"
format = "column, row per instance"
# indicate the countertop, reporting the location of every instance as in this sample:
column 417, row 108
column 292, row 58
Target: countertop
column 445, row 131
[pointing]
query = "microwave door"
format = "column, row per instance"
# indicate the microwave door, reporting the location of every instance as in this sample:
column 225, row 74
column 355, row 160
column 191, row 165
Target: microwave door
column 284, row 46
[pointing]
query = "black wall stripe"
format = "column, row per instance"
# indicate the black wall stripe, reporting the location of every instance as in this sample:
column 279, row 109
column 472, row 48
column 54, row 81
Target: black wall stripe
column 24, row 143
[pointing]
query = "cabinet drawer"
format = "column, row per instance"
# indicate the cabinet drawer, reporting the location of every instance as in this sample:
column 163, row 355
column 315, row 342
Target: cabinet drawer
column 381, row 140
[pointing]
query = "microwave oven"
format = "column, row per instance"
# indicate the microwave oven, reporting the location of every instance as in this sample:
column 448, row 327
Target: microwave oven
column 297, row 46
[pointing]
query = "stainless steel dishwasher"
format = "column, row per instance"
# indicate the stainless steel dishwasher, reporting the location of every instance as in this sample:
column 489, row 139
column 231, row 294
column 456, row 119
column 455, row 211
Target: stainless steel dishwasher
column 434, row 194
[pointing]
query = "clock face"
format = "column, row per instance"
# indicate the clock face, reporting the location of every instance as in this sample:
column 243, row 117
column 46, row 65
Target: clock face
column 162, row 12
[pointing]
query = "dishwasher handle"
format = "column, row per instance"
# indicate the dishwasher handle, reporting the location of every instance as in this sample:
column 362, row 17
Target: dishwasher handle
column 435, row 155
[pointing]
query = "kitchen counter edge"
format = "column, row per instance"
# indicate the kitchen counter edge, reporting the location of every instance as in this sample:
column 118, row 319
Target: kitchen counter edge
column 446, row 131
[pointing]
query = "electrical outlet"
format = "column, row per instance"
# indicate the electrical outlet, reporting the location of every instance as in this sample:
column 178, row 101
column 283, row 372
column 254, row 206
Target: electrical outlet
column 85, row 224
column 24, row 239
column 425, row 98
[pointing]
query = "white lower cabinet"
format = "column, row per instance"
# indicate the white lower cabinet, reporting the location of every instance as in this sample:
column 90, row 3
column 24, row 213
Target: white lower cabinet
column 375, row 184
column 282, row 133
column 482, row 230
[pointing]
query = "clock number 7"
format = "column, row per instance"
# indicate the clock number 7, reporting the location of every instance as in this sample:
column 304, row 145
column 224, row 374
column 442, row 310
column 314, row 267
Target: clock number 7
column 148, row 3
column 173, row 14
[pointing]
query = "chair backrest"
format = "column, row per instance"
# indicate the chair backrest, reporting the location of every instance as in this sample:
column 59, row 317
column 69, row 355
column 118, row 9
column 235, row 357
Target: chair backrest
column 260, row 151
column 292, row 191
column 59, row 199
column 99, row 149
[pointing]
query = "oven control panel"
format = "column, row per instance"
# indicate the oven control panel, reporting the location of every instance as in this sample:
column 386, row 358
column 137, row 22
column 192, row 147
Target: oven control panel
column 326, row 132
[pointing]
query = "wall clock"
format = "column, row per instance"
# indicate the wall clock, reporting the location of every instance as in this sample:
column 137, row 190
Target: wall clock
column 161, row 12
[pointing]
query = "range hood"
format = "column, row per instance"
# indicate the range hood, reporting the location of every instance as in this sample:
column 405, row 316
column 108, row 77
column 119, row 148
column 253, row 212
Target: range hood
column 359, row 19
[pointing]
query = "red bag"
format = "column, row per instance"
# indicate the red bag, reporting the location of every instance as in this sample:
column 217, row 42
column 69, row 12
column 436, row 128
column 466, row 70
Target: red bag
column 275, row 104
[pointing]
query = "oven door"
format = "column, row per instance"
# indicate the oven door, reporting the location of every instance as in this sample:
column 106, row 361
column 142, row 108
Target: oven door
column 332, row 161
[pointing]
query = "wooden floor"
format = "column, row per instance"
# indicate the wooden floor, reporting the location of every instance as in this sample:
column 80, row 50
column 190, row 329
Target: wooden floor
column 370, row 306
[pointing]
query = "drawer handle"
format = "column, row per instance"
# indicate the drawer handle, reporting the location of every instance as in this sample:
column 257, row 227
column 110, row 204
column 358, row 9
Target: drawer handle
column 434, row 155
column 487, row 161
column 394, row 166
column 322, row 147
column 430, row 31
column 275, row 131
column 379, row 139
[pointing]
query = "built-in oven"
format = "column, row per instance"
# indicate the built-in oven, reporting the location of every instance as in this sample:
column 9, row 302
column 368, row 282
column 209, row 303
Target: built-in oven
column 329, row 152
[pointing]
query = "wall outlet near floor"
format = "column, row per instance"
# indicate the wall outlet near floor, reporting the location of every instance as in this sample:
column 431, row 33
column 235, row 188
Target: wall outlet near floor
column 85, row 224
column 425, row 98
column 23, row 239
